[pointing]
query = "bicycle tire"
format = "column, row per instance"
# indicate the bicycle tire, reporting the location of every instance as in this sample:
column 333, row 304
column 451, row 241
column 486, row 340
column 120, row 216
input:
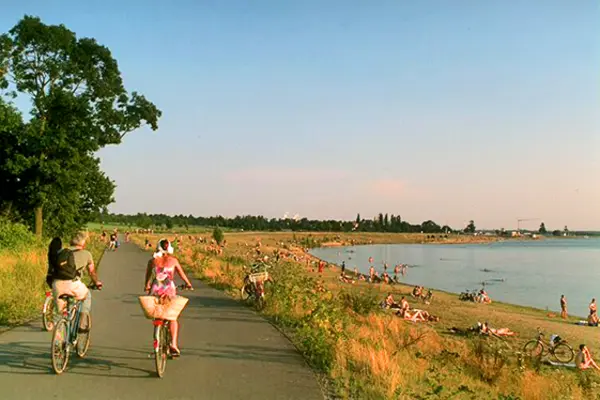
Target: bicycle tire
column 48, row 314
column 260, row 303
column 83, row 338
column 160, row 353
column 244, row 293
column 60, row 347
column 563, row 353
column 533, row 349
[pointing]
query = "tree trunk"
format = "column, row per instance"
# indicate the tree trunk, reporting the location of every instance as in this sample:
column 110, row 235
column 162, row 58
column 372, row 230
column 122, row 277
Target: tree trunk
column 38, row 220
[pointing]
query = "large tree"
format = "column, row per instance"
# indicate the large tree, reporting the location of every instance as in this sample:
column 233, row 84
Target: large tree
column 470, row 228
column 78, row 105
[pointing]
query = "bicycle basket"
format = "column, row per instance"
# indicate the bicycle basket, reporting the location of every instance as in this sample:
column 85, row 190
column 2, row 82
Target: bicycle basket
column 258, row 277
column 170, row 309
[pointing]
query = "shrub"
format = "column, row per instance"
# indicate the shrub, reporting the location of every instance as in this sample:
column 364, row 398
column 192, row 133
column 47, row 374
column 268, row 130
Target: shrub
column 15, row 236
column 362, row 303
column 218, row 235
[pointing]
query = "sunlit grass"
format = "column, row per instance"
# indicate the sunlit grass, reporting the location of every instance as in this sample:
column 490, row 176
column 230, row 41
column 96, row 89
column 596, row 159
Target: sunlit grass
column 368, row 353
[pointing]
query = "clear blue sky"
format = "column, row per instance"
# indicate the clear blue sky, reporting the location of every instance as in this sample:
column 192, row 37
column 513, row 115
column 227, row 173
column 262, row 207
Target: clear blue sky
column 484, row 110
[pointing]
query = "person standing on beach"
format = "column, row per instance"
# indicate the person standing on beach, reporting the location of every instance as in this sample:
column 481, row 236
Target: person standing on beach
column 593, row 307
column 563, row 307
column 343, row 267
column 371, row 274
column 321, row 266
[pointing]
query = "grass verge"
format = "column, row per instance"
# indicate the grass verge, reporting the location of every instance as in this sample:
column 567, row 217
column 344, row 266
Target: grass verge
column 22, row 280
column 368, row 353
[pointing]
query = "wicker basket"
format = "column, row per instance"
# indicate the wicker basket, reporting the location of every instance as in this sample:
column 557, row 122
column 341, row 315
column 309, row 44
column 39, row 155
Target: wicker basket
column 169, row 309
column 258, row 277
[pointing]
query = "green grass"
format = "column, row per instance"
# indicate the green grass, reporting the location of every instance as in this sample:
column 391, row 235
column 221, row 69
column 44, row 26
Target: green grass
column 23, row 281
column 368, row 353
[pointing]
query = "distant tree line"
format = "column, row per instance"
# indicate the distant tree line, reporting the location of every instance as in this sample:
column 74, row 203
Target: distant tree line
column 381, row 223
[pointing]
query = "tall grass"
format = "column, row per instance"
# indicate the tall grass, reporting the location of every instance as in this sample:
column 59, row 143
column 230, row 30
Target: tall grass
column 370, row 354
column 22, row 278
column 23, row 270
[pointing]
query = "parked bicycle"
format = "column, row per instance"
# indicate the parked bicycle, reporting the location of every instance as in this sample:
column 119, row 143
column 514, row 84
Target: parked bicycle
column 67, row 333
column 254, row 285
column 162, row 341
column 556, row 347
column 48, row 312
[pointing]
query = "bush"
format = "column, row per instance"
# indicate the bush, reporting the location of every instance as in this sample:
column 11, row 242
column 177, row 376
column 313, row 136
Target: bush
column 362, row 303
column 15, row 236
column 218, row 235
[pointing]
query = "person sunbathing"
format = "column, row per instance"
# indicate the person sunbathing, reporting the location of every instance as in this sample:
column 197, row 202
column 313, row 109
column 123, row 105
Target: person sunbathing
column 404, row 306
column 417, row 291
column 486, row 330
column 389, row 302
column 483, row 297
column 427, row 297
column 416, row 315
column 584, row 360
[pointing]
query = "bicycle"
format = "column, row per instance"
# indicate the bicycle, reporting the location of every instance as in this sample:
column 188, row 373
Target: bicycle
column 48, row 312
column 162, row 342
column 254, row 286
column 558, row 348
column 67, row 333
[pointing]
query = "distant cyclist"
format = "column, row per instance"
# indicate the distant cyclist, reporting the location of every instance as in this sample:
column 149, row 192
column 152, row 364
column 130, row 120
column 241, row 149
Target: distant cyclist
column 66, row 275
column 160, row 281
column 113, row 241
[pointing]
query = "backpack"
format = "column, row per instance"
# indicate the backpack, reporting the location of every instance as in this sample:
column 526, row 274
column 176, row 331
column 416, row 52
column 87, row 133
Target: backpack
column 65, row 268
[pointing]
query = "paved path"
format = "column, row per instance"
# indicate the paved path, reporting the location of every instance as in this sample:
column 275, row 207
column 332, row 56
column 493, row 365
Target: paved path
column 228, row 351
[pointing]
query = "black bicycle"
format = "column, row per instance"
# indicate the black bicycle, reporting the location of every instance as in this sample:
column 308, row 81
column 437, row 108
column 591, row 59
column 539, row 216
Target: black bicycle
column 68, row 334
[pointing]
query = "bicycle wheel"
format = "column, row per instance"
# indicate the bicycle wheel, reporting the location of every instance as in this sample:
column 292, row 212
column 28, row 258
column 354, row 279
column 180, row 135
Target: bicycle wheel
column 60, row 347
column 48, row 314
column 245, row 292
column 563, row 353
column 533, row 349
column 260, row 303
column 83, row 336
column 160, row 350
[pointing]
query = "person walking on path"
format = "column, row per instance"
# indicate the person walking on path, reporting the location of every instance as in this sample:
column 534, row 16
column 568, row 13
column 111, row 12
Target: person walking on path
column 563, row 307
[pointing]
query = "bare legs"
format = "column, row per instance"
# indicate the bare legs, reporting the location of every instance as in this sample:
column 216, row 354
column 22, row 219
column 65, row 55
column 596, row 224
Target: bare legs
column 174, row 328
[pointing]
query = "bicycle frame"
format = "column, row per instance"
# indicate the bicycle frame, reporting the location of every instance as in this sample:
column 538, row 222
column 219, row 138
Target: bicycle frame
column 72, row 314
column 160, row 324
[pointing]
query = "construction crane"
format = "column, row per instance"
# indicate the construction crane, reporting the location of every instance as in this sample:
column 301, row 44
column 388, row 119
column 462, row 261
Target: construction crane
column 523, row 220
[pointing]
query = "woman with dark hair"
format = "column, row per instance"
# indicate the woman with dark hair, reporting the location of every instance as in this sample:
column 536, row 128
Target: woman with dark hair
column 53, row 249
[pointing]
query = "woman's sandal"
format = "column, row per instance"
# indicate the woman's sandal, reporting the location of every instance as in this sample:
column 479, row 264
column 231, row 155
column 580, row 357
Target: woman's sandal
column 174, row 352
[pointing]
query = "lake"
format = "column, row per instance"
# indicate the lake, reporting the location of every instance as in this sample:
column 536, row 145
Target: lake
column 529, row 273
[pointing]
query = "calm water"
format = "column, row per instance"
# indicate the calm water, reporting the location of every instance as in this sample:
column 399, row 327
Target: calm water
column 535, row 273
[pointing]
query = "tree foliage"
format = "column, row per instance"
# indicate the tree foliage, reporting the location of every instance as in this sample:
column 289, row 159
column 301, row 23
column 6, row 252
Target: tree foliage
column 470, row 228
column 260, row 223
column 78, row 105
column 542, row 229
column 218, row 235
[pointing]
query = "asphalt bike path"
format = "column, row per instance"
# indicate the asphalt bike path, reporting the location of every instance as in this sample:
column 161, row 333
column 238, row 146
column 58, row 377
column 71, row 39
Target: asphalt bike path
column 228, row 351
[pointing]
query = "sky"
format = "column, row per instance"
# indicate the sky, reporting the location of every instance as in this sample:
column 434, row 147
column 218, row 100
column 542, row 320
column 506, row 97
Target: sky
column 450, row 111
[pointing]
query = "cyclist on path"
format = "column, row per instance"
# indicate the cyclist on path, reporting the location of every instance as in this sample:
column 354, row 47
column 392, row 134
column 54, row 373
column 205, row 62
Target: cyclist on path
column 66, row 275
column 163, row 267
